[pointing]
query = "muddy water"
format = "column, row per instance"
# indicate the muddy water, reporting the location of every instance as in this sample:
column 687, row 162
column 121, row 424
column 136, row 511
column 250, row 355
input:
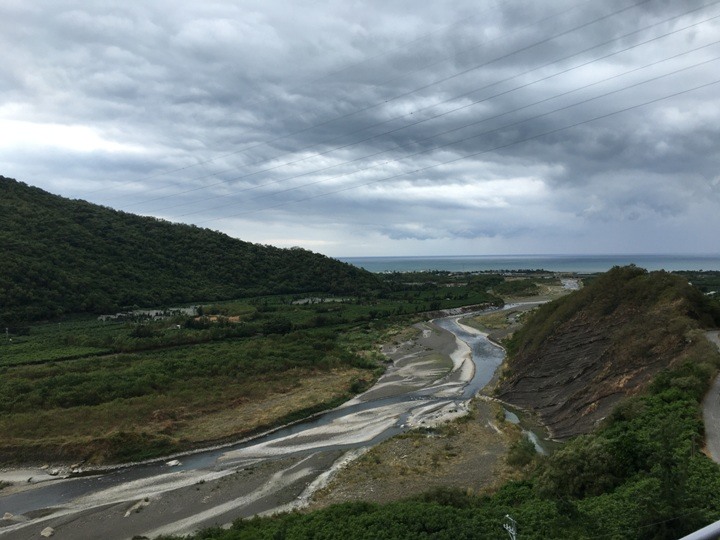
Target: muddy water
column 358, row 424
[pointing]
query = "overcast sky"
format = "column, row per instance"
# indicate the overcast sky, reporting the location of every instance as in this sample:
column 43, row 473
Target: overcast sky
column 377, row 127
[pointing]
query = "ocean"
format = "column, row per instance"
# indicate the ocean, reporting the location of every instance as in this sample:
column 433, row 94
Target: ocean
column 582, row 264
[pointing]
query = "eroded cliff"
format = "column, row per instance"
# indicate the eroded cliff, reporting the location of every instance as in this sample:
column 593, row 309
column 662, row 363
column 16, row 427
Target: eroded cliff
column 577, row 357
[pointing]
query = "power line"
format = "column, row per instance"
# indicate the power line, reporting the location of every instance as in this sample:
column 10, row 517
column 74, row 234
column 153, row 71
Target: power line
column 445, row 113
column 474, row 154
column 342, row 117
column 505, row 127
column 647, row 526
column 424, row 87
column 387, row 52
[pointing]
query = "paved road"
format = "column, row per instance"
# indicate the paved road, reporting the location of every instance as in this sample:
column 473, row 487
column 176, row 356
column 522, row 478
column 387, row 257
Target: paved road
column 711, row 410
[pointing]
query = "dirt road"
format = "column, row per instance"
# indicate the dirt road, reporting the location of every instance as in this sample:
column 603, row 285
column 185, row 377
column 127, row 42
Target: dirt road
column 711, row 410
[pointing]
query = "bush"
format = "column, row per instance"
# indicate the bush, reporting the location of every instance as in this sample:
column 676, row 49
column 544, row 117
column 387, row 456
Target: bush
column 522, row 452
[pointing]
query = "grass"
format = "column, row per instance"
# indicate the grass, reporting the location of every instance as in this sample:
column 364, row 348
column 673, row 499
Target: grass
column 489, row 321
column 112, row 407
column 181, row 420
column 311, row 392
column 83, row 389
column 62, row 398
column 50, row 342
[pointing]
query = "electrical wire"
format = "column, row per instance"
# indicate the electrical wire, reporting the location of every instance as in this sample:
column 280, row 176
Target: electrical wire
column 303, row 130
column 474, row 154
column 475, row 136
column 418, row 89
column 445, row 113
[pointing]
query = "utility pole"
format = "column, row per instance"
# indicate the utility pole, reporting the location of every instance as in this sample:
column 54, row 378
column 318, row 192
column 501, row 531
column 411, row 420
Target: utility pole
column 510, row 526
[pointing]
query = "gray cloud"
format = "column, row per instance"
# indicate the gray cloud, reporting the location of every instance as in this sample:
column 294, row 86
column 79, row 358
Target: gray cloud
column 386, row 127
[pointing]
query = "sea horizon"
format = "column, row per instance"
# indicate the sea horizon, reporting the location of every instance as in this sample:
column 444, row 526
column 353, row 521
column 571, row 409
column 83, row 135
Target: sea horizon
column 551, row 262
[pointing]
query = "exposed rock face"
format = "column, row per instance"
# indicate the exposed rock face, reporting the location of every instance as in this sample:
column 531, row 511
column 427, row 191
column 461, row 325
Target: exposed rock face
column 585, row 359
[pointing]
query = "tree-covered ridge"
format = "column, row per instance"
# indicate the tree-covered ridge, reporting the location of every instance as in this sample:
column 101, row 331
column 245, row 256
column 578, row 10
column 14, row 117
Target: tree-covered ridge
column 67, row 256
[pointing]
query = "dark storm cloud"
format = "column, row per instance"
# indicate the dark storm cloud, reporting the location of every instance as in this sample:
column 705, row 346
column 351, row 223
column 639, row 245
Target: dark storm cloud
column 377, row 127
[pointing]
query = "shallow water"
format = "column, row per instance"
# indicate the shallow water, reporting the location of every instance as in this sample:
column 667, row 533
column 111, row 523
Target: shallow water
column 486, row 358
column 515, row 419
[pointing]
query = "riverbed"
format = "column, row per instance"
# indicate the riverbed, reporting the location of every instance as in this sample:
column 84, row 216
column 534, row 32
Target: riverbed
column 278, row 471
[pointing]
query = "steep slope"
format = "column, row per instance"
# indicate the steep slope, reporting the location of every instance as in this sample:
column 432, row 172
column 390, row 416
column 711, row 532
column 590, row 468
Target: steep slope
column 65, row 256
column 577, row 357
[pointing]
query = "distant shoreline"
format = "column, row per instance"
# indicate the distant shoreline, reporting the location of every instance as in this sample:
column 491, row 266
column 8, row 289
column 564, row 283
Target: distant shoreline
column 555, row 263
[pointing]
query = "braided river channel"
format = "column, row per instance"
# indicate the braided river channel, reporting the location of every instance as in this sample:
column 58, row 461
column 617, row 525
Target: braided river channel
column 277, row 471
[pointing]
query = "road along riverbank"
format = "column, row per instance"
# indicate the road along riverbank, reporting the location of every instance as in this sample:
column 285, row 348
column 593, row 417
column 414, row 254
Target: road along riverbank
column 711, row 410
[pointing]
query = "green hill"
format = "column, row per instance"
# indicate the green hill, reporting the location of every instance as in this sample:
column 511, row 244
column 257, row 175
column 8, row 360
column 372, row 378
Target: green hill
column 63, row 256
column 579, row 356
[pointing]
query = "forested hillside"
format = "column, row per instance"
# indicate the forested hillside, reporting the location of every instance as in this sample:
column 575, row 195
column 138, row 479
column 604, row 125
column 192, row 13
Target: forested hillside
column 64, row 256
column 577, row 357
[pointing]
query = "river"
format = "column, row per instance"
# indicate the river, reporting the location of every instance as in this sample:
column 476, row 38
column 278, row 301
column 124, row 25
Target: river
column 276, row 471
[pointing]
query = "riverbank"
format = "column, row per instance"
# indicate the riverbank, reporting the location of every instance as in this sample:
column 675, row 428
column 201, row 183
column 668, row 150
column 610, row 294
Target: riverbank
column 465, row 453
column 209, row 488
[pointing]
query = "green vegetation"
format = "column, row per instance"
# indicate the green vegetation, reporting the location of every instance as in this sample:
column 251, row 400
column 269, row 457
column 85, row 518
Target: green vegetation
column 622, row 292
column 522, row 452
column 517, row 287
column 707, row 282
column 116, row 407
column 125, row 390
column 286, row 333
column 65, row 256
column 289, row 329
column 640, row 475
column 601, row 344
column 191, row 370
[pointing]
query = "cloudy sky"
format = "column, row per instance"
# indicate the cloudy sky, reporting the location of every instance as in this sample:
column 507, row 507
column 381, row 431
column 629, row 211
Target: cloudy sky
column 458, row 127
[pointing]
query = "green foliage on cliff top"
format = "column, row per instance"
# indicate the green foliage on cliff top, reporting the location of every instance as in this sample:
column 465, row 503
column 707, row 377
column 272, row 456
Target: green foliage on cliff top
column 64, row 256
column 630, row 293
